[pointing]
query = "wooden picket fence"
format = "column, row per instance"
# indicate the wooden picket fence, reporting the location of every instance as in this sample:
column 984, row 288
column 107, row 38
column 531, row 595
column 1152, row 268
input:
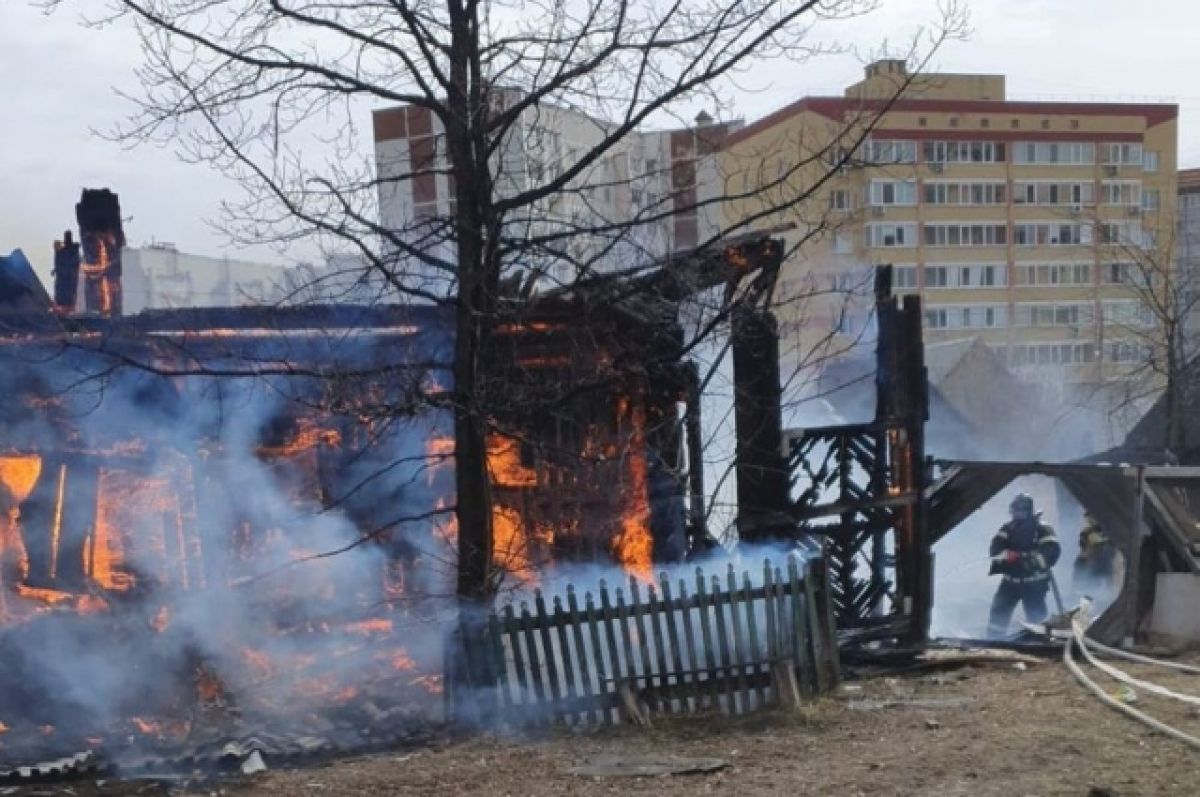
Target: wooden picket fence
column 733, row 645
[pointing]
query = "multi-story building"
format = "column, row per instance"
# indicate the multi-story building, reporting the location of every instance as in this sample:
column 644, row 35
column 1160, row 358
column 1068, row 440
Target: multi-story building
column 159, row 276
column 1187, row 246
column 1017, row 222
column 642, row 192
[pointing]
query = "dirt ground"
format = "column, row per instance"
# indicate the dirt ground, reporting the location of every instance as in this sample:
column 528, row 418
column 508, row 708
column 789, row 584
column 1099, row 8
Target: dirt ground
column 990, row 730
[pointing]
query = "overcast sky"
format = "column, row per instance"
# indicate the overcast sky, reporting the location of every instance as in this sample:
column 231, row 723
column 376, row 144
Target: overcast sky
column 58, row 82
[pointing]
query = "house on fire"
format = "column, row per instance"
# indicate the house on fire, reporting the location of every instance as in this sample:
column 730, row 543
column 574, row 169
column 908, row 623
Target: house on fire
column 123, row 439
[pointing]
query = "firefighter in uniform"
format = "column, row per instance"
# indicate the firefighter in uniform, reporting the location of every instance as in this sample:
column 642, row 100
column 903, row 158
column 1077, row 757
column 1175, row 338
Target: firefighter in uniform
column 1094, row 565
column 1022, row 553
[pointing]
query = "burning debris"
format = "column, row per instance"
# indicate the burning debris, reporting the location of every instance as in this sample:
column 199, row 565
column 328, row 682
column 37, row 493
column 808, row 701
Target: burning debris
column 187, row 558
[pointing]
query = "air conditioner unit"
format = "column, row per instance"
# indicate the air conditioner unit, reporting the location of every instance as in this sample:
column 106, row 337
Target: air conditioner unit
column 1133, row 210
column 1076, row 210
column 937, row 167
column 1110, row 171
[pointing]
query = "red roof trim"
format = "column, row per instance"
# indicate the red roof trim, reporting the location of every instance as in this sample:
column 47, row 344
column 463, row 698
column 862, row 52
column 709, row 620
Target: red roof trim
column 954, row 134
column 838, row 107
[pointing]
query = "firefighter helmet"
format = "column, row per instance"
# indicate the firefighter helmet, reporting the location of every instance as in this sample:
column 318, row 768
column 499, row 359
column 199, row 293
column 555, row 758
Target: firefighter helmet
column 1022, row 505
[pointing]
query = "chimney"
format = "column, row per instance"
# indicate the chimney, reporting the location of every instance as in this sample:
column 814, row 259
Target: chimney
column 66, row 274
column 703, row 119
column 102, row 237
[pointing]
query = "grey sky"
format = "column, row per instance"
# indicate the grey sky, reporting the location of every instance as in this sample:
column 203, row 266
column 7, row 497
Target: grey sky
column 57, row 81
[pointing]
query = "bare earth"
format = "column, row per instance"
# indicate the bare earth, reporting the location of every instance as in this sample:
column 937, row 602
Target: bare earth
column 1011, row 732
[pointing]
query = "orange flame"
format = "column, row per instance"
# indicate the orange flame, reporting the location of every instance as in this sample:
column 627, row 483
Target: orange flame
column 633, row 547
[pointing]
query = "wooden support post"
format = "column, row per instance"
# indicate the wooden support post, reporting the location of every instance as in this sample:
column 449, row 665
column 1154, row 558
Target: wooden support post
column 762, row 475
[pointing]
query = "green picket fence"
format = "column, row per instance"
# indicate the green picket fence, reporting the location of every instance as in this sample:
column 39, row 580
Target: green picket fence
column 731, row 644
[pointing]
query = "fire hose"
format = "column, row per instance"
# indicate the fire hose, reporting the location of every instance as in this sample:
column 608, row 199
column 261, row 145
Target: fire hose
column 1078, row 639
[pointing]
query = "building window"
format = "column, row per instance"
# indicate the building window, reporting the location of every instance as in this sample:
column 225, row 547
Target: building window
column 1054, row 273
column 1072, row 353
column 922, row 121
column 965, row 234
column 970, row 275
column 971, row 316
column 1045, row 124
column 1015, row 124
column 1150, row 199
column 1127, row 193
column 904, row 276
column 1074, row 124
column 839, row 199
column 1129, row 313
column 1054, row 152
column 885, row 151
column 1122, row 154
column 841, row 244
column 964, row 152
column 954, row 121
column 974, row 193
column 1124, row 351
column 1052, row 193
column 893, row 192
column 985, row 123
column 1051, row 234
column 1150, row 161
column 891, row 235
column 1117, row 273
column 1048, row 314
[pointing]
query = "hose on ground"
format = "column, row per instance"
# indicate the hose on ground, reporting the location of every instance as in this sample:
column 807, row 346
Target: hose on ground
column 1112, row 702
column 1127, row 655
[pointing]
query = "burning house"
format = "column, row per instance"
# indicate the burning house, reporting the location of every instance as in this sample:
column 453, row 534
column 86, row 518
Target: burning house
column 247, row 513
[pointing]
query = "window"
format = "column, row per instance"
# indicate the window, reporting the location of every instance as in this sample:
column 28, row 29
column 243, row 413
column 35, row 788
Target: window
column 1150, row 161
column 1051, row 234
column 1129, row 313
column 1124, row 351
column 1122, row 154
column 1015, row 124
column 1071, row 353
column 1122, row 233
column 904, row 276
column 889, row 235
column 1121, row 192
column 988, row 234
column 891, row 151
column 1117, row 273
column 964, row 152
column 970, row 316
column 972, row 275
column 839, row 199
column 893, row 192
column 1150, row 199
column 1039, row 314
column 1054, row 273
column 1053, row 152
column 954, row 193
column 841, row 244
column 1039, row 192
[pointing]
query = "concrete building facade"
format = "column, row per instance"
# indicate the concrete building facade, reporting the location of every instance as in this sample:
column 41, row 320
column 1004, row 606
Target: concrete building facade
column 159, row 276
column 645, row 187
column 1015, row 221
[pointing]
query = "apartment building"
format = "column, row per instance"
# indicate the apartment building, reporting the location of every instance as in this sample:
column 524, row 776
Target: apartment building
column 644, row 189
column 1017, row 222
column 159, row 276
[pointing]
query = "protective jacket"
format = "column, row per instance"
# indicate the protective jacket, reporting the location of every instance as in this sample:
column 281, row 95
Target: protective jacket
column 1036, row 545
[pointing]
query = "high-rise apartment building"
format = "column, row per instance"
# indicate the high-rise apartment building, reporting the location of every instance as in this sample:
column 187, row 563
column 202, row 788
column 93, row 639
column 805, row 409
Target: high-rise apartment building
column 1017, row 222
column 643, row 188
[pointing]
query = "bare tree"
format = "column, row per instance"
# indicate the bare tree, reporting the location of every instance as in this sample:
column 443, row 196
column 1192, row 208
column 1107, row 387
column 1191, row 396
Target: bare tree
column 1150, row 337
column 253, row 87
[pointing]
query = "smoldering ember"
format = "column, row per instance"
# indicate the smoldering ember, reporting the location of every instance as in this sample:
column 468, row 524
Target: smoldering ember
column 576, row 433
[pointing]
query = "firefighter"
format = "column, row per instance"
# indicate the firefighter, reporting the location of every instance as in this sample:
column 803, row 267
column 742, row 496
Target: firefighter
column 1023, row 552
column 1094, row 565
